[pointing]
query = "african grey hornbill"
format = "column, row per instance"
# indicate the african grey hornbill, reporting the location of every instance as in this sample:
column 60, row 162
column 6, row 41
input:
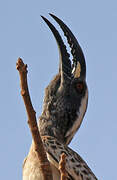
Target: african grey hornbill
column 66, row 96
column 65, row 104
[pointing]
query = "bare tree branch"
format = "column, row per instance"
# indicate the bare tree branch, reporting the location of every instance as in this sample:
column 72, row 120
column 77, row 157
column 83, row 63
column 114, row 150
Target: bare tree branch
column 62, row 167
column 43, row 161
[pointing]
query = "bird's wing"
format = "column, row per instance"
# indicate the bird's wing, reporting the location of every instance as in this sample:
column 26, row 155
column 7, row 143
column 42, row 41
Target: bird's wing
column 76, row 167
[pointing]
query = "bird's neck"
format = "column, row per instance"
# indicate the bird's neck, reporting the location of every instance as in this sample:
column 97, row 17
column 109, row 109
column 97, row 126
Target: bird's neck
column 48, row 127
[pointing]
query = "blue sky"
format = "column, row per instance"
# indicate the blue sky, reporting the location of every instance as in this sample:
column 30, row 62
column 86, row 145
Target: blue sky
column 24, row 34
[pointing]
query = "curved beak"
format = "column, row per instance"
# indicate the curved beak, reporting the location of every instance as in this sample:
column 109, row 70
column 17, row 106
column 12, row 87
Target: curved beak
column 65, row 63
column 78, row 68
column 79, row 65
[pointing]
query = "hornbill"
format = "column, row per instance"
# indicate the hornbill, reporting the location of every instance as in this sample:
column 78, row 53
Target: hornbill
column 64, row 107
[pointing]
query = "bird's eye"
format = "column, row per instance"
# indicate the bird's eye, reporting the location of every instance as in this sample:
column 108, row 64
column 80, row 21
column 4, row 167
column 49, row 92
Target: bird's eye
column 79, row 87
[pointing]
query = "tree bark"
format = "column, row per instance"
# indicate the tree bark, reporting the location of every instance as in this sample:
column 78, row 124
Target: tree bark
column 44, row 164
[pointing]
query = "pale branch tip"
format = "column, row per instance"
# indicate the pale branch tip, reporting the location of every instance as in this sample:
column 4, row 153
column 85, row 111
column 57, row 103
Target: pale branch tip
column 20, row 66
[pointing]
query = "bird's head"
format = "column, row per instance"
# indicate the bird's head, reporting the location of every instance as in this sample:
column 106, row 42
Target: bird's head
column 66, row 96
